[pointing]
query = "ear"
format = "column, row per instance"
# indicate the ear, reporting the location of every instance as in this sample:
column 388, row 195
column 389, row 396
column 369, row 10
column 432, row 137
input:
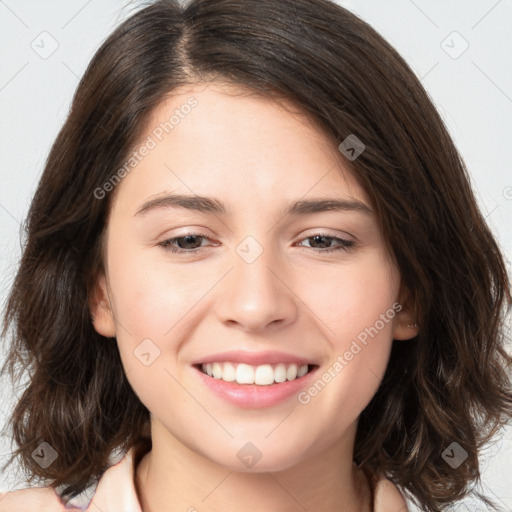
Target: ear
column 405, row 324
column 101, row 312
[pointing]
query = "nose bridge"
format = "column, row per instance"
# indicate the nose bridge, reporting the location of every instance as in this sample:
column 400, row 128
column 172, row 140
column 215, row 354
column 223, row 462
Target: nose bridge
column 253, row 296
column 252, row 266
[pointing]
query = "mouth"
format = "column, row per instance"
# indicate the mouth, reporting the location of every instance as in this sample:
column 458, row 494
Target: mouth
column 256, row 375
column 266, row 383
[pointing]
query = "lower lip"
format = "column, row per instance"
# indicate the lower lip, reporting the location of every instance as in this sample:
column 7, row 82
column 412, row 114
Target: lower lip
column 252, row 396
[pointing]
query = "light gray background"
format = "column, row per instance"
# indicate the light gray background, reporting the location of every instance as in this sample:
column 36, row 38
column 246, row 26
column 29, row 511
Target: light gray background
column 472, row 89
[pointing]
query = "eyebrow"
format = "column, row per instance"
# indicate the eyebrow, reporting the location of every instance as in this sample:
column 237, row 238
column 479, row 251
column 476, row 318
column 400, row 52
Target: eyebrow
column 210, row 205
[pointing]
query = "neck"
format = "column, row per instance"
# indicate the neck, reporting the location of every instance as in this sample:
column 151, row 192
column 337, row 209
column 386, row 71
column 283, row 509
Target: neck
column 172, row 478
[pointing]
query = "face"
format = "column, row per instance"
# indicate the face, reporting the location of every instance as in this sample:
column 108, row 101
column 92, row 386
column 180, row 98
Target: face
column 253, row 268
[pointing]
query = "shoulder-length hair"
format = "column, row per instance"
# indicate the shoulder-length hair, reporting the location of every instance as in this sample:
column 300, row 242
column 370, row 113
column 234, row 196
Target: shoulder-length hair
column 449, row 384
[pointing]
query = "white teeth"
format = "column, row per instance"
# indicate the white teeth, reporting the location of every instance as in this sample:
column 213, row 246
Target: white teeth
column 262, row 375
column 291, row 373
column 217, row 370
column 280, row 373
column 229, row 372
column 244, row 374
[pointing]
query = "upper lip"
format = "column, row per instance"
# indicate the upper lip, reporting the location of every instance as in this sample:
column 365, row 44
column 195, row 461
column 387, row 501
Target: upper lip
column 253, row 358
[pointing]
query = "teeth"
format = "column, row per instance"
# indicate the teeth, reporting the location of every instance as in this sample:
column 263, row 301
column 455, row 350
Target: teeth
column 291, row 373
column 217, row 370
column 262, row 375
column 228, row 373
column 244, row 374
column 302, row 370
column 280, row 373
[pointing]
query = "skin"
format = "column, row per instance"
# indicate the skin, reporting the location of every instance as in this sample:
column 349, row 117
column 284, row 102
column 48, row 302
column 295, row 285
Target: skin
column 256, row 157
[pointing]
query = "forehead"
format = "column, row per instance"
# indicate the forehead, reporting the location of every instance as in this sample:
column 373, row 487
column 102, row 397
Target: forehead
column 225, row 140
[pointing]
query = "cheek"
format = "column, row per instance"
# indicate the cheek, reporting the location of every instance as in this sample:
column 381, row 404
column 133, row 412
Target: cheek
column 152, row 311
column 355, row 308
column 348, row 299
column 152, row 296
column 150, row 304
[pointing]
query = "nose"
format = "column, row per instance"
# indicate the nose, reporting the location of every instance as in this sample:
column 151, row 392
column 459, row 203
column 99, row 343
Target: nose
column 257, row 295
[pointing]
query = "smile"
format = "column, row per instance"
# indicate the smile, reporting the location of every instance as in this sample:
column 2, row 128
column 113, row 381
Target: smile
column 255, row 380
column 261, row 375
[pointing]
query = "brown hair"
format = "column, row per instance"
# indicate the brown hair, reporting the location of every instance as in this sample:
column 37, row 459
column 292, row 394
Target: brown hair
column 449, row 384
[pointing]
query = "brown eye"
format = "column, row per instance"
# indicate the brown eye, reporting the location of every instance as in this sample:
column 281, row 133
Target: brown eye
column 191, row 242
column 323, row 243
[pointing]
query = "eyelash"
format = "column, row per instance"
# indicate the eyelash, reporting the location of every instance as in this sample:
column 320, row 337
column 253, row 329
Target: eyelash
column 345, row 245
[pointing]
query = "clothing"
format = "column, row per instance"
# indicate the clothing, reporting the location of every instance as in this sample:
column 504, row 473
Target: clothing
column 116, row 492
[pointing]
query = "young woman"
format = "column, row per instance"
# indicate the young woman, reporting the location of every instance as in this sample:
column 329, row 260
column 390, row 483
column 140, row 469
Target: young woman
column 255, row 270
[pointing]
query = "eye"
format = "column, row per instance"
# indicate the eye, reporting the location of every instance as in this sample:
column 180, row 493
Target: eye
column 189, row 243
column 323, row 240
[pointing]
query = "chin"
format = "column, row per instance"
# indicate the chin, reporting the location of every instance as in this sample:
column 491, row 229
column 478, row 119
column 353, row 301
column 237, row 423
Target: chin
column 254, row 457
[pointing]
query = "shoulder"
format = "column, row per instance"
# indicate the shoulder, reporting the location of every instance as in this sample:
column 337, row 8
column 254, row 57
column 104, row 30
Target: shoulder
column 387, row 497
column 42, row 499
column 114, row 491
